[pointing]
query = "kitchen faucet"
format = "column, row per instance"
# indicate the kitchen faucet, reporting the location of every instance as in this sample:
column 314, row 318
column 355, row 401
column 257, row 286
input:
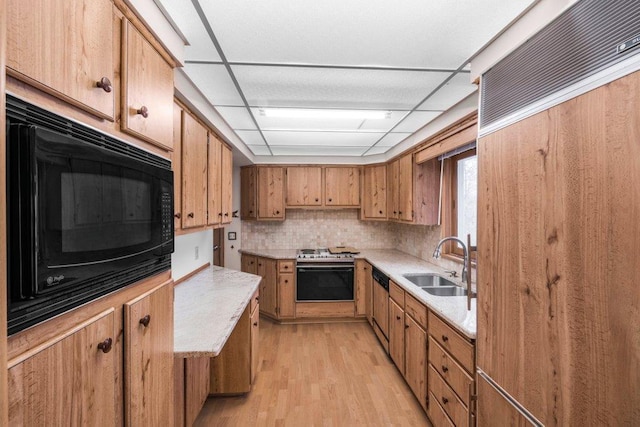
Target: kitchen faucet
column 466, row 266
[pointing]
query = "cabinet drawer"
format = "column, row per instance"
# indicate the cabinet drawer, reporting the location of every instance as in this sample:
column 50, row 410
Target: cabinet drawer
column 453, row 374
column 453, row 342
column 416, row 309
column 285, row 266
column 396, row 293
column 437, row 414
column 255, row 299
column 443, row 395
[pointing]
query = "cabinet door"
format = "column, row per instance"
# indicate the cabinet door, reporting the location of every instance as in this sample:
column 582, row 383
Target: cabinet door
column 249, row 264
column 286, row 295
column 248, row 193
column 148, row 357
column 255, row 339
column 231, row 369
column 147, row 90
column 268, row 292
column 427, row 192
column 405, row 188
column 196, row 386
column 342, row 186
column 396, row 335
column 271, row 193
column 70, row 380
column 64, row 47
column 392, row 192
column 214, row 186
column 226, row 189
column 176, row 165
column 374, row 192
column 304, row 186
column 416, row 359
column 363, row 289
column 194, row 172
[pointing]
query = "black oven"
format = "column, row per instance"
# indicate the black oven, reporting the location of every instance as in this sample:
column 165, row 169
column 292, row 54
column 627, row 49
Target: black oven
column 321, row 281
column 87, row 214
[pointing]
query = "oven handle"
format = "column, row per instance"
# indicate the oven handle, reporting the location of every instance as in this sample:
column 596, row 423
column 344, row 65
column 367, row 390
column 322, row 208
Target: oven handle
column 333, row 267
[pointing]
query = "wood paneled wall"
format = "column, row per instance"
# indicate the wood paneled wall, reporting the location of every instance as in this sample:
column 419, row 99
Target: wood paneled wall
column 559, row 259
column 3, row 240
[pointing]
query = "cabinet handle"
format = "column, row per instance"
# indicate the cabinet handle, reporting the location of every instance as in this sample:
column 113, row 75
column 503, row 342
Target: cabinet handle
column 104, row 84
column 145, row 320
column 445, row 400
column 445, row 369
column 286, row 267
column 394, row 212
column 406, row 326
column 143, row 111
column 380, row 212
column 105, row 345
column 399, row 212
column 250, row 212
column 445, row 338
column 277, row 212
column 190, row 215
column 257, row 299
column 219, row 213
column 178, row 215
column 398, row 317
column 317, row 200
column 255, row 323
column 330, row 200
column 286, row 281
column 226, row 214
column 259, row 265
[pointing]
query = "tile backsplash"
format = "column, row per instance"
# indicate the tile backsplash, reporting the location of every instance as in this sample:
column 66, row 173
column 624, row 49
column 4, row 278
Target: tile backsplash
column 312, row 229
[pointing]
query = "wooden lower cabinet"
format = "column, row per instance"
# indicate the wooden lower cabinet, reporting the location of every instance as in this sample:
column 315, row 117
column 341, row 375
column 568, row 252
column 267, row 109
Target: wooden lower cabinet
column 415, row 353
column 255, row 340
column 267, row 268
column 68, row 380
column 396, row 335
column 249, row 264
column 196, row 387
column 363, row 295
column 286, row 295
column 148, row 356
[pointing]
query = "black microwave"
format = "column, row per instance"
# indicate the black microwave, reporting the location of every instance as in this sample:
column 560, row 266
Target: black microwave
column 86, row 214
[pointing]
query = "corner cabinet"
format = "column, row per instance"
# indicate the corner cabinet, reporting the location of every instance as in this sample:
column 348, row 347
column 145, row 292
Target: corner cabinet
column 65, row 48
column 374, row 193
column 148, row 333
column 69, row 379
column 147, row 90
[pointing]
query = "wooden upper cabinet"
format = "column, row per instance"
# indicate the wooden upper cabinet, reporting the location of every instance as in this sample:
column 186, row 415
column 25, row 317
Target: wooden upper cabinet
column 405, row 188
column 374, row 192
column 176, row 165
column 392, row 192
column 248, row 193
column 214, row 188
column 271, row 193
column 194, row 172
column 342, row 186
column 148, row 356
column 147, row 89
column 426, row 192
column 65, row 47
column 226, row 189
column 70, row 380
column 304, row 186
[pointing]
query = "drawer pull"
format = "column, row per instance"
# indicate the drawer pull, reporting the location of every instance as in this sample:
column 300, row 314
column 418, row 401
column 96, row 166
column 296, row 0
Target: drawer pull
column 145, row 320
column 143, row 111
column 445, row 400
column 178, row 215
column 286, row 281
column 445, row 338
column 255, row 323
column 104, row 84
column 445, row 369
column 190, row 215
column 105, row 345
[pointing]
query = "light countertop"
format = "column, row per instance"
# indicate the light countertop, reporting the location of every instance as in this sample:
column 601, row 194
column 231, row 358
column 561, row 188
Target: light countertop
column 207, row 308
column 394, row 264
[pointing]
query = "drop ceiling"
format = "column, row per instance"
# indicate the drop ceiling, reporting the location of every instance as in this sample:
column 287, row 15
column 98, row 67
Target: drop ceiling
column 408, row 59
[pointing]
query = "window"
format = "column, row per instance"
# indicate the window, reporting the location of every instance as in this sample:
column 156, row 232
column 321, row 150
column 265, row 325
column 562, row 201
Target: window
column 460, row 199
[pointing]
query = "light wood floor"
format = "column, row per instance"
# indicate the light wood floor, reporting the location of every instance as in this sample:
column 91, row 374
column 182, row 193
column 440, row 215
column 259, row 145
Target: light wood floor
column 333, row 374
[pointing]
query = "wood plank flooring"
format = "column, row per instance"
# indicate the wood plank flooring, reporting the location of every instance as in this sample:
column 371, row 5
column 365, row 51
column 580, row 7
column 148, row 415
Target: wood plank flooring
column 332, row 374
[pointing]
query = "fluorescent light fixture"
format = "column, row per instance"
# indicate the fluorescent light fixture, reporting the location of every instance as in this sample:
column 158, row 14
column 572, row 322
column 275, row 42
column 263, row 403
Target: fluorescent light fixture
column 301, row 113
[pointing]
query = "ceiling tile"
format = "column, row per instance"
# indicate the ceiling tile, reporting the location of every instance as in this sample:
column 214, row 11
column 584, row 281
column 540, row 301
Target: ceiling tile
column 414, row 33
column 416, row 120
column 456, row 89
column 214, row 82
column 289, row 150
column 250, row 137
column 377, row 150
column 237, row 117
column 392, row 139
column 260, row 150
column 328, row 139
column 335, row 88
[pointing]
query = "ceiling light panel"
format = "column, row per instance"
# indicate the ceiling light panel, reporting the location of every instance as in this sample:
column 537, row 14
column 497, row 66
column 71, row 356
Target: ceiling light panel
column 327, row 139
column 322, row 124
column 438, row 33
column 416, row 120
column 292, row 150
column 214, row 82
column 392, row 139
column 250, row 137
column 185, row 17
column 456, row 89
column 237, row 117
column 335, row 88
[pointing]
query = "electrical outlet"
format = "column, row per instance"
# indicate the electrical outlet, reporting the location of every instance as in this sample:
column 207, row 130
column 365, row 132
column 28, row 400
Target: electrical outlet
column 197, row 252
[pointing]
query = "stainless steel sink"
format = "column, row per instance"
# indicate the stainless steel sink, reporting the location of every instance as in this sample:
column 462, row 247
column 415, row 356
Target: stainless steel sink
column 428, row 280
column 445, row 291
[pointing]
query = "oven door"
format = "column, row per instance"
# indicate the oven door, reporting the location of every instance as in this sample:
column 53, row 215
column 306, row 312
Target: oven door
column 324, row 282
